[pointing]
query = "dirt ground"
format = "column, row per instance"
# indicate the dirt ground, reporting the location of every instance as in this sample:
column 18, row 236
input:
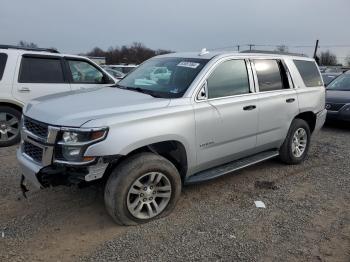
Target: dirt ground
column 307, row 216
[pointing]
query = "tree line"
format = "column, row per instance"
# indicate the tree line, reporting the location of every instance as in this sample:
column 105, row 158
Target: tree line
column 135, row 53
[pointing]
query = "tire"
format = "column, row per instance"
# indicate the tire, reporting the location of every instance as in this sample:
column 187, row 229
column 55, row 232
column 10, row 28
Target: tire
column 288, row 154
column 120, row 196
column 9, row 126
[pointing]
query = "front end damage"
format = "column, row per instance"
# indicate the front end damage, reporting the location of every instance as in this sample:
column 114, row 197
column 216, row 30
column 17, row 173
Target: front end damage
column 40, row 156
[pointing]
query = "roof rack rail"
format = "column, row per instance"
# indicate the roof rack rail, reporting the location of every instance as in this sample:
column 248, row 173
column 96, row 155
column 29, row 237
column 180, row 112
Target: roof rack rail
column 51, row 50
column 272, row 52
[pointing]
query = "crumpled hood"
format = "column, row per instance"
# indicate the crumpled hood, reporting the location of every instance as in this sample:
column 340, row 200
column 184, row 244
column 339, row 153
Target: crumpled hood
column 75, row 108
column 336, row 96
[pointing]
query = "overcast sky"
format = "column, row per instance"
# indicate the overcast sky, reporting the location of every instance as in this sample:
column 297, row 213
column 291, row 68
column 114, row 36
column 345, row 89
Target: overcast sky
column 75, row 26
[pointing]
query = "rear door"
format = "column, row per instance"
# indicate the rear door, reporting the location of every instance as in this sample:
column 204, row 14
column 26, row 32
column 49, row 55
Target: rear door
column 83, row 74
column 39, row 75
column 278, row 102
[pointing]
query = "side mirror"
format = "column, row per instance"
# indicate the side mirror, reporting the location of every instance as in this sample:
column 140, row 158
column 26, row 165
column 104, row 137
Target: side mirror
column 203, row 92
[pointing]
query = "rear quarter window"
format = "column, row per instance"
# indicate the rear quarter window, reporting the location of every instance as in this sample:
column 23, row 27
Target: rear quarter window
column 3, row 59
column 309, row 72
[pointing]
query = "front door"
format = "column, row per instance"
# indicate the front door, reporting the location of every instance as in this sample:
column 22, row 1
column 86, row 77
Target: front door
column 83, row 74
column 227, row 120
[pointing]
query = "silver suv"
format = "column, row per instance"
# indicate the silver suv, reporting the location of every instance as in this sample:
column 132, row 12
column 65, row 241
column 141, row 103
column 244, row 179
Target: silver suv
column 147, row 137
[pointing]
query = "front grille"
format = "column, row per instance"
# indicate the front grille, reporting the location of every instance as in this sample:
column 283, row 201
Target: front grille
column 36, row 127
column 334, row 107
column 36, row 153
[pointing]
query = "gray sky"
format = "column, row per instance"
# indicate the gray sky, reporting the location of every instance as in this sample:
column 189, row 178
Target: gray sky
column 75, row 26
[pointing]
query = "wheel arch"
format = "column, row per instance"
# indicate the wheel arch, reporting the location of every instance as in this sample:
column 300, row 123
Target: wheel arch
column 16, row 106
column 173, row 150
column 309, row 117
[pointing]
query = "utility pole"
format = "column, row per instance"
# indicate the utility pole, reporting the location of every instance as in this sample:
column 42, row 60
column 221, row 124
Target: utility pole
column 316, row 47
column 250, row 46
column 238, row 47
column 315, row 53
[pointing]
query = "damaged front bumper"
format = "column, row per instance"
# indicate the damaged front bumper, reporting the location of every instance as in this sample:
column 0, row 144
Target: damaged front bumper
column 58, row 174
column 36, row 158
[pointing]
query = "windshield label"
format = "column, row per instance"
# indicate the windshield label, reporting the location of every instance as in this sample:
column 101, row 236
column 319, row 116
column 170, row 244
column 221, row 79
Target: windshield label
column 188, row 64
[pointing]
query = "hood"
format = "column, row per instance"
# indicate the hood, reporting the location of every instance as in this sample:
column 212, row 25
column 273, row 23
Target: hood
column 337, row 96
column 75, row 108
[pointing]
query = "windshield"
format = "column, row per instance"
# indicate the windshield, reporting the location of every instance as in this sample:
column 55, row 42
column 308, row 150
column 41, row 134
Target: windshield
column 167, row 77
column 342, row 82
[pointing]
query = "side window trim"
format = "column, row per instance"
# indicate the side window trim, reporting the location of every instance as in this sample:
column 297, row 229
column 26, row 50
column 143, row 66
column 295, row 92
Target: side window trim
column 69, row 72
column 60, row 58
column 280, row 63
column 289, row 75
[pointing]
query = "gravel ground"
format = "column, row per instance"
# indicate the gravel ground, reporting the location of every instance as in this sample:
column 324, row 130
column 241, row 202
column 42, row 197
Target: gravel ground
column 307, row 216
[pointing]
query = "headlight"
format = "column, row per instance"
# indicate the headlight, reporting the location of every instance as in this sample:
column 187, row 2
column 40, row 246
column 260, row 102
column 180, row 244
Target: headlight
column 74, row 143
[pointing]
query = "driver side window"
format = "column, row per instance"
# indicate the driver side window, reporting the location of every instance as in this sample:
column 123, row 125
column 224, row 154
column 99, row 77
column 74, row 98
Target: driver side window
column 228, row 79
column 83, row 72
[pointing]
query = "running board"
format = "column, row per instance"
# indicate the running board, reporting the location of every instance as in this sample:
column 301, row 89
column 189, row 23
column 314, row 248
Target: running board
column 230, row 167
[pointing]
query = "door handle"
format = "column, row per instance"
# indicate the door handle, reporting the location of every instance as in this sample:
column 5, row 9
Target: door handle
column 290, row 100
column 24, row 89
column 251, row 107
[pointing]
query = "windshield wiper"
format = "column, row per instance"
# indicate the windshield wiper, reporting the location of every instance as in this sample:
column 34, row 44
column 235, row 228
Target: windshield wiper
column 138, row 89
column 144, row 91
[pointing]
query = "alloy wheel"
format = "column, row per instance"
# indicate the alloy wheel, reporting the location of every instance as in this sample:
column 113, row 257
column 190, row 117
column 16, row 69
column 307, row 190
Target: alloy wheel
column 299, row 142
column 149, row 195
column 9, row 127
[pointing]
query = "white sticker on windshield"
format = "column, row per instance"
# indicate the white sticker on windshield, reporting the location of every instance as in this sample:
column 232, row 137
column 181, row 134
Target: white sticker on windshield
column 188, row 64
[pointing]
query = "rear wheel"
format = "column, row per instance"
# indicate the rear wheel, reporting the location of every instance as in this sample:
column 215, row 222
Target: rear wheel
column 9, row 126
column 296, row 146
column 142, row 188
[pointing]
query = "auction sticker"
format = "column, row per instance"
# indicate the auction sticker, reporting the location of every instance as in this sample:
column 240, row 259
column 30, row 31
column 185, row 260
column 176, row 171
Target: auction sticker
column 188, row 64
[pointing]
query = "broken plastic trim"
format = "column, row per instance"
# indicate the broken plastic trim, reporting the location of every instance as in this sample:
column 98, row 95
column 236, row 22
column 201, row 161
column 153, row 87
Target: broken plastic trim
column 23, row 185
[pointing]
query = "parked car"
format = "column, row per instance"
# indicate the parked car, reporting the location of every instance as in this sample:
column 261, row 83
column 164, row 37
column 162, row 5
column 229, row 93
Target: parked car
column 216, row 113
column 338, row 98
column 125, row 69
column 26, row 74
column 160, row 73
column 330, row 73
column 115, row 73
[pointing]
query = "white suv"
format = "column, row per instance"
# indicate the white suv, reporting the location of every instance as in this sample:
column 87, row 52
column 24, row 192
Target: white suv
column 26, row 74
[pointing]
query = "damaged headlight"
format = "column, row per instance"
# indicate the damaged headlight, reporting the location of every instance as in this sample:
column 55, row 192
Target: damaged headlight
column 74, row 142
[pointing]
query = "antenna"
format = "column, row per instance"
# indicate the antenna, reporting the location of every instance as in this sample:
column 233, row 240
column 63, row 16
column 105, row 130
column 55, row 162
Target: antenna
column 204, row 51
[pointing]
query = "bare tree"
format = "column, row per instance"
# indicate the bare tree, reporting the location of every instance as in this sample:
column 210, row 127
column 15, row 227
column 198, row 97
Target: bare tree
column 282, row 48
column 133, row 54
column 328, row 59
column 27, row 44
column 347, row 60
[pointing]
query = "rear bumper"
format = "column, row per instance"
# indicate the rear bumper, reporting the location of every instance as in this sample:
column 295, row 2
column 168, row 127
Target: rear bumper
column 320, row 120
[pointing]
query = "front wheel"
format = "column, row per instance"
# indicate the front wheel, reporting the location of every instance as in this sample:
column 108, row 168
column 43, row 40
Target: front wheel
column 9, row 126
column 296, row 145
column 143, row 187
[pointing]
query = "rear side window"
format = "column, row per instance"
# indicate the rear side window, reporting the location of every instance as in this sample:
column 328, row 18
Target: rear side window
column 3, row 59
column 269, row 75
column 41, row 70
column 309, row 72
column 229, row 78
